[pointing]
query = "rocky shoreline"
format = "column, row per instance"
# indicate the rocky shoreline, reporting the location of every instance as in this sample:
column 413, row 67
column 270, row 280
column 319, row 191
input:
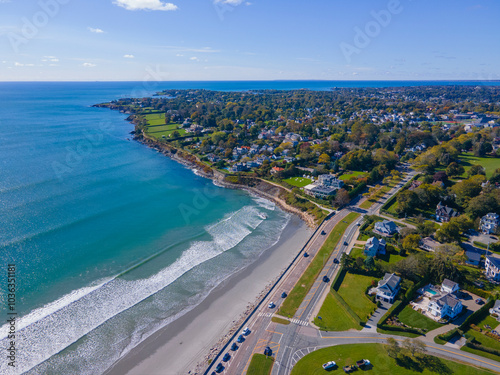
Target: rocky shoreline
column 260, row 187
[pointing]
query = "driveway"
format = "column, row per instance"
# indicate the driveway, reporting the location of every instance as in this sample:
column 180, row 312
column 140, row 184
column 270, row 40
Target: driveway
column 371, row 324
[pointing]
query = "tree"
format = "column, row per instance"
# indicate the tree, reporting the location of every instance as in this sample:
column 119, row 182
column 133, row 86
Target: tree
column 415, row 348
column 448, row 232
column 411, row 242
column 481, row 205
column 176, row 134
column 426, row 228
column 369, row 263
column 407, row 202
column 342, row 198
column 392, row 347
column 465, row 190
column 475, row 170
column 496, row 175
column 324, row 159
column 454, row 169
column 482, row 148
column 463, row 222
column 440, row 176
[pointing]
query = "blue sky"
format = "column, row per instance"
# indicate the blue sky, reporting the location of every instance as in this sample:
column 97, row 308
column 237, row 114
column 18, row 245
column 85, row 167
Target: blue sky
column 108, row 40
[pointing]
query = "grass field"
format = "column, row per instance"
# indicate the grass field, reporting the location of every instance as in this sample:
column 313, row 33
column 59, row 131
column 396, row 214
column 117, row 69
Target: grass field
column 275, row 319
column 414, row 319
column 301, row 288
column 334, row 317
column 379, row 193
column 260, row 365
column 298, row 181
column 382, row 364
column 352, row 291
column 489, row 164
column 157, row 128
column 483, row 339
column 353, row 174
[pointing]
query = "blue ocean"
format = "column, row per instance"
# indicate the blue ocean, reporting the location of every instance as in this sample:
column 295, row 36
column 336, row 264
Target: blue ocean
column 111, row 240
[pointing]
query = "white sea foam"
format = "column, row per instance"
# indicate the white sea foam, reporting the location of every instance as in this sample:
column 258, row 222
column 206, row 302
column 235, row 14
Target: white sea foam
column 265, row 203
column 52, row 328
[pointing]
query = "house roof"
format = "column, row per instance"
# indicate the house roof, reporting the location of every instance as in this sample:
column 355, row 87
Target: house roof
column 390, row 280
column 449, row 284
column 497, row 304
column 445, row 210
column 387, row 224
column 473, row 256
column 447, row 299
column 494, row 261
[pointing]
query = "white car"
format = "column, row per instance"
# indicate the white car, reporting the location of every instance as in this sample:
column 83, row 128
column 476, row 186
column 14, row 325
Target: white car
column 272, row 305
column 246, row 331
column 329, row 365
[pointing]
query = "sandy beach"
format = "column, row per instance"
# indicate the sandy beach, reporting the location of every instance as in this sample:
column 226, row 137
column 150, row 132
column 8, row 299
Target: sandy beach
column 180, row 346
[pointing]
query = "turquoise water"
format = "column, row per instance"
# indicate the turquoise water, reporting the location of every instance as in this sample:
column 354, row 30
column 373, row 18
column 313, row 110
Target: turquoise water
column 112, row 240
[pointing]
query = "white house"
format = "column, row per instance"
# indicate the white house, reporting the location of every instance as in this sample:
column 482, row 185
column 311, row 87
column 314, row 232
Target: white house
column 330, row 180
column 374, row 247
column 489, row 223
column 386, row 227
column 496, row 308
column 449, row 286
column 492, row 266
column 447, row 306
column 388, row 287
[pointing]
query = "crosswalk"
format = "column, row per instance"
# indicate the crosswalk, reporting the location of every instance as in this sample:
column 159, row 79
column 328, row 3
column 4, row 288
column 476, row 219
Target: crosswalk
column 299, row 322
column 294, row 321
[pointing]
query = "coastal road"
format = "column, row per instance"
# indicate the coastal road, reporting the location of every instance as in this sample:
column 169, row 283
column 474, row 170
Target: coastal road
column 285, row 340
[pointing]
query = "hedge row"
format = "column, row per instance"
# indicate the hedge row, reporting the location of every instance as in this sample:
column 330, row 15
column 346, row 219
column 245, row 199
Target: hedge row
column 358, row 189
column 482, row 348
column 477, row 291
column 476, row 317
column 347, row 308
column 339, row 279
column 391, row 200
column 448, row 335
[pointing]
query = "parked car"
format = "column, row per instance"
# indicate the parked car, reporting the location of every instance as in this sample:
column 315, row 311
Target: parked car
column 272, row 305
column 234, row 347
column 268, row 351
column 306, row 255
column 226, row 357
column 336, row 261
column 345, row 243
column 219, row 368
column 246, row 331
column 329, row 365
column 283, row 295
column 363, row 362
column 479, row 301
column 323, row 232
column 240, row 339
column 348, row 369
column 325, row 279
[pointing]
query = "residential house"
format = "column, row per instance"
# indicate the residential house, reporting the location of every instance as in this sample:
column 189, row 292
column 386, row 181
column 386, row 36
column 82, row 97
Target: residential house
column 448, row 286
column 385, row 228
column 239, row 167
column 445, row 306
column 319, row 191
column 275, row 170
column 492, row 266
column 429, row 244
column 495, row 310
column 374, row 247
column 330, row 180
column 445, row 213
column 388, row 287
column 473, row 258
column 489, row 223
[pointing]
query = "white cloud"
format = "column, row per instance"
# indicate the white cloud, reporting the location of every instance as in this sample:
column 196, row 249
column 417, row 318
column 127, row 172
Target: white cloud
column 179, row 55
column 194, row 58
column 97, row 31
column 129, row 56
column 232, row 2
column 21, row 64
column 145, row 5
column 88, row 65
column 50, row 59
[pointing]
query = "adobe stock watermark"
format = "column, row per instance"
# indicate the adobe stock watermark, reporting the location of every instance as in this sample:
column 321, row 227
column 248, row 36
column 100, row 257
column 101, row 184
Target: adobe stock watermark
column 77, row 153
column 372, row 29
column 224, row 6
column 201, row 200
column 150, row 82
column 31, row 25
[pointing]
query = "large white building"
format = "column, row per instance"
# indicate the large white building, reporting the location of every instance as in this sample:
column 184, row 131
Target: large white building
column 492, row 266
column 489, row 223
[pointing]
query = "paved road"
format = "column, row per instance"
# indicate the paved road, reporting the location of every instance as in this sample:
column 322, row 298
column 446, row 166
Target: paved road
column 290, row 342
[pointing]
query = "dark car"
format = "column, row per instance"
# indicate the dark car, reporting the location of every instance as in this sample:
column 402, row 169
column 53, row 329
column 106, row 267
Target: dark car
column 234, row 347
column 219, row 368
column 283, row 295
column 323, row 232
column 306, row 255
column 479, row 301
column 336, row 261
column 345, row 243
column 325, row 279
column 240, row 339
column 268, row 351
column 226, row 357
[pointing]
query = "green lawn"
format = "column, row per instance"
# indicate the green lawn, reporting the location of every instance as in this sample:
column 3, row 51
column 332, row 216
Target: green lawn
column 489, row 164
column 334, row 317
column 260, row 365
column 415, row 319
column 488, row 321
column 275, row 319
column 363, row 237
column 357, row 252
column 353, row 174
column 304, row 284
column 352, row 291
column 382, row 364
column 298, row 181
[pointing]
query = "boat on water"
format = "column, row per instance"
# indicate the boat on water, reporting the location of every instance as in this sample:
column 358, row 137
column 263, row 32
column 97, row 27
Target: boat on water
column 262, row 216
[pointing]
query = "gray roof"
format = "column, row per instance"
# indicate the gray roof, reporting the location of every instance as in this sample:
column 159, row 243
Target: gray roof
column 449, row 284
column 495, row 261
column 389, row 225
column 447, row 299
column 390, row 280
column 497, row 304
column 472, row 255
